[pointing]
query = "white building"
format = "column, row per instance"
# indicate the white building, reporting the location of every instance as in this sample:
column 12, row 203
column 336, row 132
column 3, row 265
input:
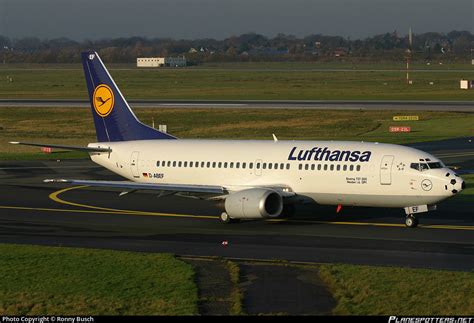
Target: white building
column 161, row 61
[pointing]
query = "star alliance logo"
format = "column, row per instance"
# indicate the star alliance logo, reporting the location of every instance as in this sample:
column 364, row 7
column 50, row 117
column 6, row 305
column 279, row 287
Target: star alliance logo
column 401, row 166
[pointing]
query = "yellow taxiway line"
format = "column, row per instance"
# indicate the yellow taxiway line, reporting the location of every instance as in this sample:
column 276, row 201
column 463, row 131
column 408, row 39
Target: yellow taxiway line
column 55, row 197
column 103, row 210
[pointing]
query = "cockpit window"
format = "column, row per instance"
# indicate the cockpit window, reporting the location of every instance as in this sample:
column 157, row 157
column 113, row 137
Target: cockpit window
column 419, row 166
column 435, row 165
column 424, row 166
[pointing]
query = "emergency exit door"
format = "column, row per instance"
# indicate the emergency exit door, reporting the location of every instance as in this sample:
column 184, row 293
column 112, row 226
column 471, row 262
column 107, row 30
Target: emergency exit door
column 386, row 170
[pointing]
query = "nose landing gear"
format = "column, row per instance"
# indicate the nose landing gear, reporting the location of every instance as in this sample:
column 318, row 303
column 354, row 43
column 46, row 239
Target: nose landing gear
column 411, row 221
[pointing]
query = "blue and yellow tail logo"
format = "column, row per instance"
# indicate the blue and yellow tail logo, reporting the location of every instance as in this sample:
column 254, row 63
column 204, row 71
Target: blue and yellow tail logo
column 103, row 100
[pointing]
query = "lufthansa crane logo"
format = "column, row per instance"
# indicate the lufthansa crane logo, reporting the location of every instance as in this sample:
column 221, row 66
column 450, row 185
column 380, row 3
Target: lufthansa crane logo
column 103, row 100
column 426, row 185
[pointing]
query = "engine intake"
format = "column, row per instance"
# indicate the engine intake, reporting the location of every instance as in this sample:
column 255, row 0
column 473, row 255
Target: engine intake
column 254, row 203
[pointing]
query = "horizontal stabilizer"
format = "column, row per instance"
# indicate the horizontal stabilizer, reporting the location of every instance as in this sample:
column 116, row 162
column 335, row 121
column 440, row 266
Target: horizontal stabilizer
column 87, row 149
column 211, row 189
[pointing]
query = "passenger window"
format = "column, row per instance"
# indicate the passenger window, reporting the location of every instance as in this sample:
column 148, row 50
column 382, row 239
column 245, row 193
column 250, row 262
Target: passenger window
column 202, row 164
column 231, row 165
column 313, row 166
column 332, row 167
column 258, row 165
column 358, row 168
column 338, row 167
column 282, row 166
column 244, row 165
column 275, row 166
column 179, row 164
column 306, row 167
column 208, row 164
column 288, row 166
column 344, row 168
column 264, row 166
column 169, row 163
column 174, row 164
column 300, row 166
column 319, row 166
column 219, row 165
column 351, row 168
column 225, row 165
column 185, row 164
column 213, row 164
column 325, row 166
column 237, row 165
column 158, row 164
column 251, row 165
column 270, row 165
column 190, row 164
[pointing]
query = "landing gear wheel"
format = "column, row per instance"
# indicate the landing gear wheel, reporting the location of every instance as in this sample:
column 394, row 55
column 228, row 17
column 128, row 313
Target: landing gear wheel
column 411, row 221
column 225, row 217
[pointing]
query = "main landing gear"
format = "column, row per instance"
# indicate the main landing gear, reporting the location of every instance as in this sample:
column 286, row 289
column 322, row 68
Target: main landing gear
column 225, row 218
column 411, row 221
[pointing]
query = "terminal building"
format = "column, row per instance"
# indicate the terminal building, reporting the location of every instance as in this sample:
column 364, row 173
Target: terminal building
column 161, row 62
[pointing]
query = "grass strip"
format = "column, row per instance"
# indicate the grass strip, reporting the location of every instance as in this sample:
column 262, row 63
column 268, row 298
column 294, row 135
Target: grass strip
column 70, row 126
column 236, row 296
column 39, row 280
column 370, row 290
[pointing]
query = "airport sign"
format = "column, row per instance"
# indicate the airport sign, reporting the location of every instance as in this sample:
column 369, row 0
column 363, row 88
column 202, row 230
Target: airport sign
column 406, row 118
column 399, row 129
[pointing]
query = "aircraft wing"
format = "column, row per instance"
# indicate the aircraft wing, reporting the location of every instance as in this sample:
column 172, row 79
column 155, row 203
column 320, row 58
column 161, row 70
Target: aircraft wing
column 128, row 185
column 189, row 190
column 88, row 149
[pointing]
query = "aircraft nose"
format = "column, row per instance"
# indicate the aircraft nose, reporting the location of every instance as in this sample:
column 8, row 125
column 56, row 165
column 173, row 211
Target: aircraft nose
column 455, row 184
column 458, row 186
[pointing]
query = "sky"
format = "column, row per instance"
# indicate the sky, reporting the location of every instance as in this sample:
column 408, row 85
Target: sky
column 219, row 19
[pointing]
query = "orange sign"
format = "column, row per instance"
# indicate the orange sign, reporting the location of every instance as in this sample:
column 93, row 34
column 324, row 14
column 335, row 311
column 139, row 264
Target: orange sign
column 47, row 150
column 399, row 129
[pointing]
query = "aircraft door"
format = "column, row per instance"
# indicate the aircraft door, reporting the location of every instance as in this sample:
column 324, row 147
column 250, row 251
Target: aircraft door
column 386, row 170
column 134, row 164
column 258, row 167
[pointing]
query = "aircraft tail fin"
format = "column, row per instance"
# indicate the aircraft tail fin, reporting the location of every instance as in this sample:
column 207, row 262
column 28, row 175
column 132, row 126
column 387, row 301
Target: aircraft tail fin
column 113, row 118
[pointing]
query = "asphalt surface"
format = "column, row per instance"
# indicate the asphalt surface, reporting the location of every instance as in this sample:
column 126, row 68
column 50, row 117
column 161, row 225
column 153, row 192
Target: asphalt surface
column 458, row 106
column 32, row 212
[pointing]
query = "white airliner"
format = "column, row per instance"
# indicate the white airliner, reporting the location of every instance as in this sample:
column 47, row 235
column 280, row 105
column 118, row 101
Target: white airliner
column 256, row 179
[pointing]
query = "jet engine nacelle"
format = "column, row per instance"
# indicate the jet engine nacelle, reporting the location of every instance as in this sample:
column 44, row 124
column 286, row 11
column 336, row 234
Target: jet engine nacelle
column 254, row 203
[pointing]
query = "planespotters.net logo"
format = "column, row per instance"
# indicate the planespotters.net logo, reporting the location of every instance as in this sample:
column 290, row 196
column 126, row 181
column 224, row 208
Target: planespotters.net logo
column 457, row 319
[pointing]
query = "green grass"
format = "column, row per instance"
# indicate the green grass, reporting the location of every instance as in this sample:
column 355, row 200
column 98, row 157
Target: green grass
column 66, row 281
column 243, row 83
column 364, row 290
column 42, row 156
column 469, row 179
column 466, row 195
column 74, row 126
column 236, row 296
column 340, row 65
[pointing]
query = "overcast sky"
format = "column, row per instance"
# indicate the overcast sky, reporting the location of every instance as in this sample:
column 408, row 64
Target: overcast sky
column 189, row 19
